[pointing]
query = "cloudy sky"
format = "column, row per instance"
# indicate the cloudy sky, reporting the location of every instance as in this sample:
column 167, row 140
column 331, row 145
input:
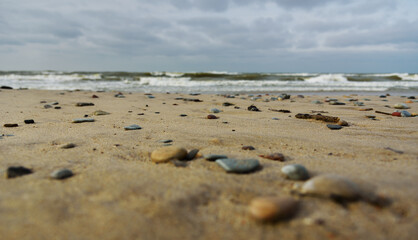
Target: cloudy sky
column 210, row 35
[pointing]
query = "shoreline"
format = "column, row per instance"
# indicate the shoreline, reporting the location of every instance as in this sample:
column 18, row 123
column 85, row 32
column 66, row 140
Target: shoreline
column 116, row 184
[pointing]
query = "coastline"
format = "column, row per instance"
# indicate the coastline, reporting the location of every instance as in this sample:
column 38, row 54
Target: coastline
column 116, row 185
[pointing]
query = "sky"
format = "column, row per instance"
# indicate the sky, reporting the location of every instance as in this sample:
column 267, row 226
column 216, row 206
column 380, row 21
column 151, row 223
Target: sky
column 210, row 35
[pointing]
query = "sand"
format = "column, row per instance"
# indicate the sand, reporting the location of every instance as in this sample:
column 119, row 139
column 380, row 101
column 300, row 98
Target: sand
column 117, row 192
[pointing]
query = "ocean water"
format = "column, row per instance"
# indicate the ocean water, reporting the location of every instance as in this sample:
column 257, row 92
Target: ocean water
column 212, row 82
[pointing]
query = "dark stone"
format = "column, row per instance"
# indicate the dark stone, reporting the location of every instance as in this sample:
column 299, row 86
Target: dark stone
column 227, row 104
column 58, row 107
column 6, row 87
column 248, row 148
column 19, row 171
column 191, row 154
column 29, row 121
column 183, row 115
column 46, row 106
column 253, row 108
column 411, row 97
column 83, row 104
column 211, row 116
column 94, row 96
column 11, row 125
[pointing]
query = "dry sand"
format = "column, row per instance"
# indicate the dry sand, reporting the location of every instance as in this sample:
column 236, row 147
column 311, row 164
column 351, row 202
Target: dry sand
column 117, row 192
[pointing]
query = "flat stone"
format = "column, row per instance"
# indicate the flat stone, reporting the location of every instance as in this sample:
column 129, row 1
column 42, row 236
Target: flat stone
column 267, row 209
column 165, row 154
column 84, row 104
column 17, row 171
column 238, row 166
column 165, row 141
column 100, row 112
column 214, row 157
column 401, row 106
column 331, row 186
column 334, row 127
column 6, row 87
column 81, row 120
column 295, row 172
column 61, row 174
column 336, row 103
column 132, row 127
column 29, row 121
column 191, row 154
column 215, row 110
column 365, row 109
column 316, row 102
column 274, row 156
column 68, row 145
column 248, row 148
column 9, row 125
column 119, row 96
column 406, row 114
column 150, row 96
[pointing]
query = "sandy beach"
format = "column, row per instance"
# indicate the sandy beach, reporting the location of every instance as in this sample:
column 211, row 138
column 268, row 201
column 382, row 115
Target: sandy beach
column 118, row 192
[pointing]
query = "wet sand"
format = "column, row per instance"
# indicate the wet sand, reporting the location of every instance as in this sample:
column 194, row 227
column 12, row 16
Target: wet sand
column 117, row 192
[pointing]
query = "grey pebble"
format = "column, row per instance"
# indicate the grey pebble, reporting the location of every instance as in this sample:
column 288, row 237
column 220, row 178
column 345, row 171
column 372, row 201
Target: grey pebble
column 165, row 141
column 334, row 127
column 215, row 110
column 61, row 174
column 192, row 154
column 214, row 157
column 81, row 120
column 295, row 172
column 133, row 127
column 238, row 166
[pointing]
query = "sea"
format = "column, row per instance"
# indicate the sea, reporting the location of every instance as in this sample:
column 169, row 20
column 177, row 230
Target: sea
column 214, row 82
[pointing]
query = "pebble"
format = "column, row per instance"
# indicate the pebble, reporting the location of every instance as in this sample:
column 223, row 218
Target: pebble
column 165, row 141
column 61, row 174
column 274, row 156
column 248, row 148
column 316, row 102
column 6, row 87
column 18, row 171
column 267, row 209
column 401, row 106
column 342, row 123
column 100, row 112
column 411, row 97
column 396, row 114
column 81, row 120
column 214, row 157
column 211, row 116
column 253, row 108
column 68, row 145
column 29, row 121
column 94, row 96
column 358, row 103
column 191, row 154
column 119, row 95
column 150, row 96
column 365, row 109
column 46, row 106
column 336, row 103
column 295, row 172
column 334, row 127
column 133, row 127
column 370, row 116
column 406, row 114
column 238, row 166
column 165, row 154
column 84, row 104
column 331, row 100
column 10, row 125
column 331, row 186
column 183, row 115
column 58, row 107
column 275, row 118
column 215, row 110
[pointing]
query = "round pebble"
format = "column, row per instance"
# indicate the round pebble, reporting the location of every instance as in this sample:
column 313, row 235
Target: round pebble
column 61, row 174
column 331, row 186
column 342, row 123
column 211, row 116
column 406, row 114
column 401, row 106
column 165, row 154
column 334, row 127
column 215, row 110
column 295, row 172
column 268, row 209
column 238, row 166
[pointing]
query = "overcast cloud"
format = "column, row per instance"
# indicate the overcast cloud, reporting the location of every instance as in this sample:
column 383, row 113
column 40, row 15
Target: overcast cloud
column 206, row 35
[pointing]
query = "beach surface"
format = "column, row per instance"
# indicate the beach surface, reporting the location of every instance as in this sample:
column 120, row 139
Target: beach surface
column 118, row 192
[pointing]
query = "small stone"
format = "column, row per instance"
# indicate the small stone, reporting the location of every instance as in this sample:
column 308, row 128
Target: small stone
column 331, row 100
column 214, row 157
column 100, row 113
column 334, row 127
column 119, row 95
column 275, row 118
column 331, row 186
column 253, row 108
column 94, row 96
column 411, row 97
column 61, row 174
column 274, row 156
column 18, row 171
column 267, row 209
column 336, row 103
column 29, row 121
column 165, row 154
column 81, row 120
column 370, row 116
column 150, row 96
column 406, row 114
column 316, row 102
column 183, row 115
column 55, row 103
column 84, row 104
column 46, row 106
column 382, row 96
column 396, row 114
column 68, row 145
column 227, row 104
column 342, row 123
column 9, row 125
column 295, row 172
column 165, row 141
column 211, row 116
column 238, row 166
column 358, row 103
column 401, row 106
column 58, row 107
column 132, row 127
column 215, row 110
column 191, row 154
column 6, row 87
column 248, row 148
column 365, row 109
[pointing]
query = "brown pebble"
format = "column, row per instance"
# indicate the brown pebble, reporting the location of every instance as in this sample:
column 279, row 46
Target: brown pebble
column 365, row 109
column 11, row 125
column 248, row 148
column 272, row 208
column 94, row 96
column 342, row 123
column 211, row 116
column 166, row 154
column 274, row 156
